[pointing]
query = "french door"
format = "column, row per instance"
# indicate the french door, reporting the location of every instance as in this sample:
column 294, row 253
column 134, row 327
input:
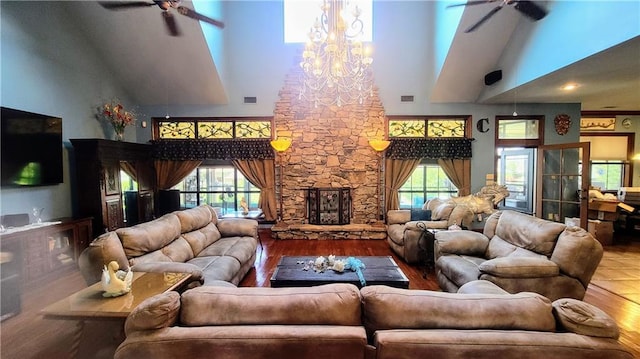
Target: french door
column 563, row 182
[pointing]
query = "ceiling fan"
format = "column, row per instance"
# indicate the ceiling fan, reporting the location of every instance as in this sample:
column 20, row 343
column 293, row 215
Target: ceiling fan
column 526, row 7
column 170, row 22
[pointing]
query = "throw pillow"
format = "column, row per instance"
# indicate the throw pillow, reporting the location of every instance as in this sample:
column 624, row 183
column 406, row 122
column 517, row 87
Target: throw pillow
column 584, row 318
column 419, row 214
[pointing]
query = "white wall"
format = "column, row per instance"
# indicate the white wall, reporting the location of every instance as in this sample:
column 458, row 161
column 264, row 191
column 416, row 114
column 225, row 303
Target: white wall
column 48, row 67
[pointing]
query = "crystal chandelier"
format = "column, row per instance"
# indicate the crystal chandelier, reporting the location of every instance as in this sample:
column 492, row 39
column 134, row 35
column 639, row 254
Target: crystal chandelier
column 336, row 65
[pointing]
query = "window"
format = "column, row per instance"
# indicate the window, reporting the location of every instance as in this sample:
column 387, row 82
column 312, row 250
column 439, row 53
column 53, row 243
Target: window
column 516, row 141
column 432, row 127
column 219, row 186
column 300, row 16
column 515, row 169
column 607, row 175
column 427, row 181
column 212, row 129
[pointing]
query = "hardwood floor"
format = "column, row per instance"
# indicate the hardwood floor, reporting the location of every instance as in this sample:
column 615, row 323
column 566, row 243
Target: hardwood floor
column 28, row 335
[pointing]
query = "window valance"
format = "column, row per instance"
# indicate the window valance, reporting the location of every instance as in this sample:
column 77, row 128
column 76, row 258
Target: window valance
column 411, row 148
column 223, row 149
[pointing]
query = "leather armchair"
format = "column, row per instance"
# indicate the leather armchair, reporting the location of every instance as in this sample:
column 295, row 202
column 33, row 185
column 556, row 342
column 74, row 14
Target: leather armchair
column 519, row 253
column 403, row 233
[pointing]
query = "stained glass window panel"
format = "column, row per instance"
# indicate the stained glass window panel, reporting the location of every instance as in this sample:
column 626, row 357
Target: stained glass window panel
column 217, row 129
column 253, row 129
column 176, row 129
column 445, row 128
column 407, row 128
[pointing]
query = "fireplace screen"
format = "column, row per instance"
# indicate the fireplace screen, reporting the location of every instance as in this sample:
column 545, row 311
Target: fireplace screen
column 329, row 205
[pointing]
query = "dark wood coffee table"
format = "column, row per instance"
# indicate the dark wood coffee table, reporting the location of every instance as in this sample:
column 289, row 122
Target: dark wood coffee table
column 378, row 271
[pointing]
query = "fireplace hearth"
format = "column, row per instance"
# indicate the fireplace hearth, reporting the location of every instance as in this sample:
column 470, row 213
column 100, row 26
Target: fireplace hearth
column 329, row 206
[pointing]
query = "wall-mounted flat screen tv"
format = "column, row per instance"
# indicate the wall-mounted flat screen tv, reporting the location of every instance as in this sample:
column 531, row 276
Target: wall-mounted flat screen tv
column 30, row 149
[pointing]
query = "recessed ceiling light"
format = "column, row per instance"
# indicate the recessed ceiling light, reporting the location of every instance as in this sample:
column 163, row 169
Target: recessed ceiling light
column 570, row 87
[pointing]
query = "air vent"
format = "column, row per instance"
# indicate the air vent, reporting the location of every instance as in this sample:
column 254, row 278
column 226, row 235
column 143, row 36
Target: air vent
column 406, row 98
column 251, row 99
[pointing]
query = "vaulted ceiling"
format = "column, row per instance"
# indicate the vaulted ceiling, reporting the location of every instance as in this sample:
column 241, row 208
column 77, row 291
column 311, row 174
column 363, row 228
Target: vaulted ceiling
column 135, row 44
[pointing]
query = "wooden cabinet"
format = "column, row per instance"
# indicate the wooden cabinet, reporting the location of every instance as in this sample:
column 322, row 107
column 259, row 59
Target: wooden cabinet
column 99, row 194
column 38, row 253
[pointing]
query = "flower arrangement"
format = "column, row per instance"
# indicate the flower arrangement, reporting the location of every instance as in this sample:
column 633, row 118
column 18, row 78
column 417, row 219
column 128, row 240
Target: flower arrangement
column 115, row 114
column 321, row 264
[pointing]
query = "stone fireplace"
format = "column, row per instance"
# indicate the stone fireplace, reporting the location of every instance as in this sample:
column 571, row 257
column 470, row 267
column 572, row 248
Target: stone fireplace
column 329, row 206
column 330, row 150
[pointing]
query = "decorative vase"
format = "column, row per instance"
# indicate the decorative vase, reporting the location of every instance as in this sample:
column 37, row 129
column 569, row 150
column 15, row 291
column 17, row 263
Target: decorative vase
column 119, row 135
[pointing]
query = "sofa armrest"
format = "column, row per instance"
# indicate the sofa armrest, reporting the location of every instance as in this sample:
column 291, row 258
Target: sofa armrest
column 238, row 227
column 175, row 267
column 160, row 311
column 398, row 216
column 520, row 267
column 460, row 242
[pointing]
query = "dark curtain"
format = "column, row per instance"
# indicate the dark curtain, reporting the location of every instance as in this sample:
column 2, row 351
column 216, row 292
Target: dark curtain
column 223, row 149
column 261, row 173
column 170, row 173
column 458, row 172
column 396, row 173
column 406, row 148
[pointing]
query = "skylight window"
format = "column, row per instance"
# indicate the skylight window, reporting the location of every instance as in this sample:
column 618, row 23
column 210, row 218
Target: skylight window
column 300, row 15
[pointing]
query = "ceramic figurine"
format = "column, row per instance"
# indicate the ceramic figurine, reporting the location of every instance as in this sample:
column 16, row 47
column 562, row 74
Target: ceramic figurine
column 244, row 206
column 115, row 282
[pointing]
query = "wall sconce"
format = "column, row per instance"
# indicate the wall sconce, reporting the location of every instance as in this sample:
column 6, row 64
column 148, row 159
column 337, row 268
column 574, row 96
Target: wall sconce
column 379, row 146
column 280, row 145
column 636, row 157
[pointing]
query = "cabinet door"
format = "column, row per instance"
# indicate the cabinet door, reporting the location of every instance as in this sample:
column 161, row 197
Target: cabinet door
column 113, row 210
column 36, row 260
column 60, row 247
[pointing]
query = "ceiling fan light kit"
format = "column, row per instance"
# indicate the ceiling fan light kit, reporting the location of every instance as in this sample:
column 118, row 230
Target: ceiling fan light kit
column 165, row 6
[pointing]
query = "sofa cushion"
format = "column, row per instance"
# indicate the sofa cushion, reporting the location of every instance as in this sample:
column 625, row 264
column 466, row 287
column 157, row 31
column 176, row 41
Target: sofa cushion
column 217, row 267
column 332, row 304
column 523, row 230
column 178, row 250
column 419, row 214
column 158, row 311
column 240, row 248
column 394, row 308
column 202, row 238
column 520, row 267
column 194, row 218
column 583, row 318
column 149, row 236
column 238, row 227
column 459, row 269
column 481, row 287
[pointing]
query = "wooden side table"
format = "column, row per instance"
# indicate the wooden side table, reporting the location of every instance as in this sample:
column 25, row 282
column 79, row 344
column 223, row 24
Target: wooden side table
column 89, row 305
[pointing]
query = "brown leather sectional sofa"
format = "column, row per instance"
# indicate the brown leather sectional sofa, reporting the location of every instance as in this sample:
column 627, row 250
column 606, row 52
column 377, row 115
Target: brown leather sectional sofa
column 519, row 253
column 193, row 241
column 340, row 321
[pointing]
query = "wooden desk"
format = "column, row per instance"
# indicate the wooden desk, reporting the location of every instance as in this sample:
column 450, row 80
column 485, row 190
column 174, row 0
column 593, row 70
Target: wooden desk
column 89, row 305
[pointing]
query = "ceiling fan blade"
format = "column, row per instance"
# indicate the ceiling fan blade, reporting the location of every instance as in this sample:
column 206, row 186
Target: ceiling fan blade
column 472, row 2
column 484, row 19
column 170, row 21
column 123, row 5
column 530, row 9
column 194, row 15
